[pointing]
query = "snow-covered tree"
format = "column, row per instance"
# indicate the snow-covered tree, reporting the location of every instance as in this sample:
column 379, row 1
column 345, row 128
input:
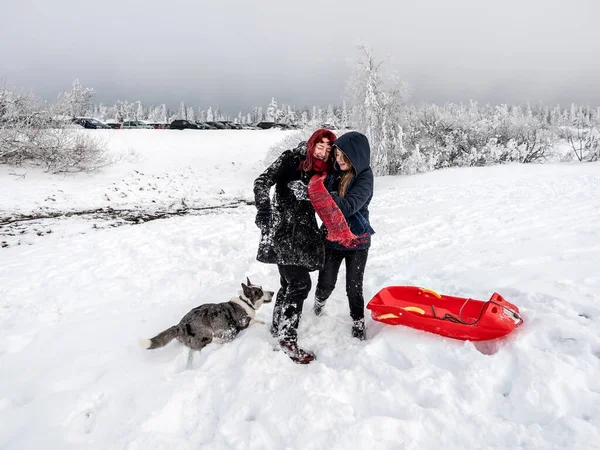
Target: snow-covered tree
column 291, row 115
column 121, row 111
column 379, row 105
column 304, row 119
column 319, row 118
column 345, row 119
column 102, row 112
column 330, row 117
column 555, row 116
column 164, row 114
column 139, row 114
column 191, row 115
column 271, row 115
column 153, row 114
column 76, row 102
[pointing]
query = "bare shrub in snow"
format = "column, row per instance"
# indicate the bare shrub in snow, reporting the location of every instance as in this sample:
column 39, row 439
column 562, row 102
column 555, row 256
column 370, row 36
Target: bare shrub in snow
column 534, row 145
column 290, row 141
column 61, row 150
column 21, row 120
column 54, row 149
column 585, row 141
column 456, row 135
column 30, row 135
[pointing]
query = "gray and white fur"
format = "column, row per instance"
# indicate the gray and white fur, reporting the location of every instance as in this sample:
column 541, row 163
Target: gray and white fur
column 214, row 322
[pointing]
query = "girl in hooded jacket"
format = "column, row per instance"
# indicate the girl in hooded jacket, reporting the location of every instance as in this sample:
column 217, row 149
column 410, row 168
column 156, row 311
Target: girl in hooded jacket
column 351, row 187
column 290, row 235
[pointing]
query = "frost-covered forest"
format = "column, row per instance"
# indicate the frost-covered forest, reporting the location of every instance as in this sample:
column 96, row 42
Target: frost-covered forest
column 405, row 137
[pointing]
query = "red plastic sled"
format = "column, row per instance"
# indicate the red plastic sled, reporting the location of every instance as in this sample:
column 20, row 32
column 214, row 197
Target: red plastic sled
column 454, row 317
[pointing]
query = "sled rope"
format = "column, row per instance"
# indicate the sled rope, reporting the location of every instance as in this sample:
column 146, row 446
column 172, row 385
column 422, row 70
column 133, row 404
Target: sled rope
column 460, row 320
column 330, row 214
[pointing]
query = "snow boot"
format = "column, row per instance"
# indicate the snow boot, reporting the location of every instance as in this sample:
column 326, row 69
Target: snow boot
column 358, row 330
column 296, row 354
column 318, row 306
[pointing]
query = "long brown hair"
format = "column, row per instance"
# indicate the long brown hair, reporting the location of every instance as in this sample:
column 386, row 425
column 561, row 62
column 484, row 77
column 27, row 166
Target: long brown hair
column 346, row 175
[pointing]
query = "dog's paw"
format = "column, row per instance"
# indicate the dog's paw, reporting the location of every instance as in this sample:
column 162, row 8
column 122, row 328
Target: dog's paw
column 145, row 343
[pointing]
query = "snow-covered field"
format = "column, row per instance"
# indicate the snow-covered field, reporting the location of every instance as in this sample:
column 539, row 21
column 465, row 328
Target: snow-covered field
column 73, row 303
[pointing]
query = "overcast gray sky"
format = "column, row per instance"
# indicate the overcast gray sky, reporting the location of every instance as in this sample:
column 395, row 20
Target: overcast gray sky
column 237, row 54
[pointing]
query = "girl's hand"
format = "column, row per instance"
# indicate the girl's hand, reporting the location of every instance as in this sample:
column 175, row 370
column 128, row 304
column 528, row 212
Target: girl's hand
column 299, row 189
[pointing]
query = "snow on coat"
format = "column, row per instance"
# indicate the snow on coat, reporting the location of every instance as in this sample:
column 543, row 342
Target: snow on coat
column 293, row 236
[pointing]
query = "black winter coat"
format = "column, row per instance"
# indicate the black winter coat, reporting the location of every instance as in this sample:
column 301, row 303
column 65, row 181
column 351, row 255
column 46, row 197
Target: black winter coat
column 293, row 236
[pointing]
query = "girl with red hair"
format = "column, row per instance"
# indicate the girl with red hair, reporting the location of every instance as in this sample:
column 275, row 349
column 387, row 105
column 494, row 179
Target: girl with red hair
column 290, row 235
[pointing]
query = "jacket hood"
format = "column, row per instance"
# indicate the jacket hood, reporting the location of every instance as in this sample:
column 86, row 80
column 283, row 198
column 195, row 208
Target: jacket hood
column 356, row 147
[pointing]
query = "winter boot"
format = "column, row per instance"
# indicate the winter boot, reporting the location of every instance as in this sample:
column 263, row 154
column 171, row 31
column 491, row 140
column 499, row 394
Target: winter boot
column 358, row 329
column 318, row 306
column 297, row 354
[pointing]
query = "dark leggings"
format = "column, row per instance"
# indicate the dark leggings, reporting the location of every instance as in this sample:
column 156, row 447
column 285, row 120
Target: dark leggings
column 355, row 270
column 295, row 287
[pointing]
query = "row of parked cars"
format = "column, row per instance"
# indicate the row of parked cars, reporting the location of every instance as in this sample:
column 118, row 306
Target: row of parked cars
column 91, row 123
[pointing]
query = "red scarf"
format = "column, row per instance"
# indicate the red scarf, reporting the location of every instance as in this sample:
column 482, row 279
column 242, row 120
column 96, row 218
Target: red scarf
column 330, row 214
column 320, row 166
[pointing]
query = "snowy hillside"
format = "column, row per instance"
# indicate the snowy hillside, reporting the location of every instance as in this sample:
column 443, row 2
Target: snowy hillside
column 76, row 293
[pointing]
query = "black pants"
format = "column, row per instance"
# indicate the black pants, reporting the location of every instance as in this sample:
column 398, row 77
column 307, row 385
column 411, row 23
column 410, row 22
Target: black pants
column 295, row 286
column 355, row 271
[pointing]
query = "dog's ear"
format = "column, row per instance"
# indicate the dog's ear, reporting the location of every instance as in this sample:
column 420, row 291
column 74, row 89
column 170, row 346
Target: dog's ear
column 248, row 281
column 245, row 289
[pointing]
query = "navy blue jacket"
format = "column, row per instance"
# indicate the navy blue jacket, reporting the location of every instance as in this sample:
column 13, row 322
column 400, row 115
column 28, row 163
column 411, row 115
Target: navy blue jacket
column 355, row 204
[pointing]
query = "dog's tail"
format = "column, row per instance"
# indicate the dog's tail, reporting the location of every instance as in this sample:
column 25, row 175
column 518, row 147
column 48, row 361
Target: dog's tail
column 161, row 339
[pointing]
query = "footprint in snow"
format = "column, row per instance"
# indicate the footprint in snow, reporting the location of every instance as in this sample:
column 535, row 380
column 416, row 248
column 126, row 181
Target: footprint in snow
column 83, row 422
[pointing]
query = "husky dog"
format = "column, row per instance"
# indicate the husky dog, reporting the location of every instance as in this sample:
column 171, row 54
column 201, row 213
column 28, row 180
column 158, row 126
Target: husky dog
column 218, row 322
